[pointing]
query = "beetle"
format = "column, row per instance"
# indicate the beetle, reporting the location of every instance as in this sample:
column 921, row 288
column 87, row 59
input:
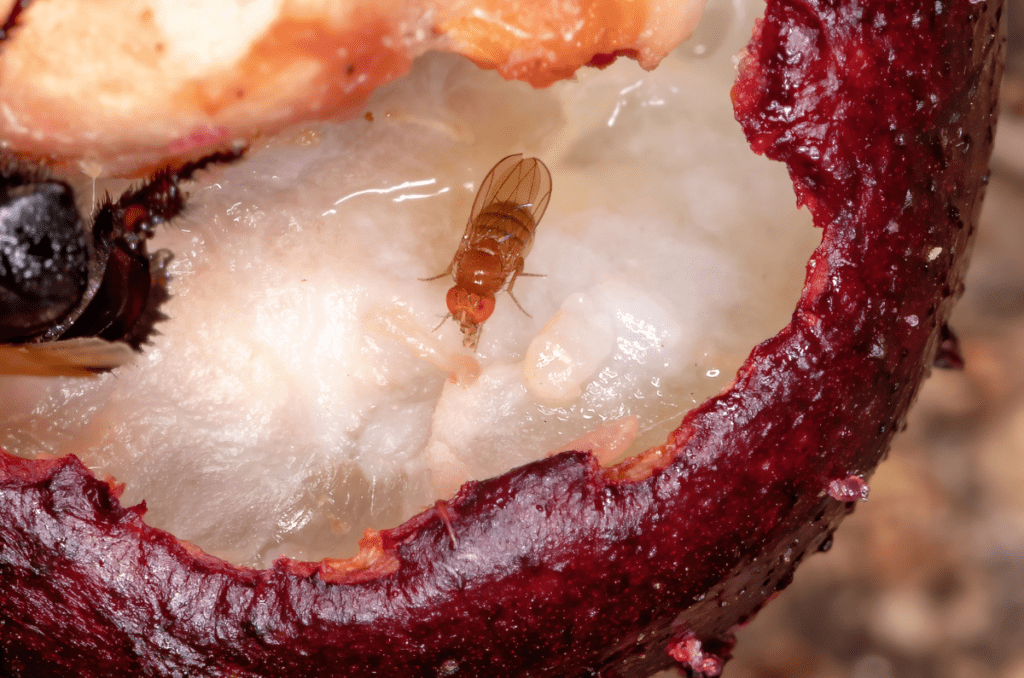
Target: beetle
column 60, row 282
column 72, row 301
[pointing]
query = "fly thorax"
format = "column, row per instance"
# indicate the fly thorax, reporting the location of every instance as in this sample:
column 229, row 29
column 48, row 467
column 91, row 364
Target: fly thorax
column 480, row 272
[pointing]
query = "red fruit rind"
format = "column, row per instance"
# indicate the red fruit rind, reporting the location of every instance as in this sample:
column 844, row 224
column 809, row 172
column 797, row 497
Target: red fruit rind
column 884, row 113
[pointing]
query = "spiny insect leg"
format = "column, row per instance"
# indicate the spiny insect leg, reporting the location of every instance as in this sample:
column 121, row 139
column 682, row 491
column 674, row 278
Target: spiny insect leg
column 127, row 302
column 139, row 210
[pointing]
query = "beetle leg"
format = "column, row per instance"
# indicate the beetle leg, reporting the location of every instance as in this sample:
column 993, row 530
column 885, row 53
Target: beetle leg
column 126, row 303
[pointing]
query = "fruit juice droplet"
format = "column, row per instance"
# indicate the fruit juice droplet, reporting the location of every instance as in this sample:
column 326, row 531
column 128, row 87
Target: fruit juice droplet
column 851, row 488
column 688, row 652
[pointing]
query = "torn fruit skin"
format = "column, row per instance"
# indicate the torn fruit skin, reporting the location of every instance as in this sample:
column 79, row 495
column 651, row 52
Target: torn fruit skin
column 562, row 568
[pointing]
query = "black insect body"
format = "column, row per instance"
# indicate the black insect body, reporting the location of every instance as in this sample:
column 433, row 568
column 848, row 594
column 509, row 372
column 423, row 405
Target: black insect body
column 57, row 283
column 44, row 256
column 71, row 303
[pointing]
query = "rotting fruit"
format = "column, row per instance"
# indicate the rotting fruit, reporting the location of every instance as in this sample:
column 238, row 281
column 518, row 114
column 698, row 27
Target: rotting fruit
column 884, row 114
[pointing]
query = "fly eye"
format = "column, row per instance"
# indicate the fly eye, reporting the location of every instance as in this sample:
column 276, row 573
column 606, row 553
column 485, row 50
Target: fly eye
column 483, row 309
column 455, row 301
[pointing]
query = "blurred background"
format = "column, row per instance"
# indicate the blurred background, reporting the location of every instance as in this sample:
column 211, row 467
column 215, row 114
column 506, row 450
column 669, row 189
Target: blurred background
column 926, row 578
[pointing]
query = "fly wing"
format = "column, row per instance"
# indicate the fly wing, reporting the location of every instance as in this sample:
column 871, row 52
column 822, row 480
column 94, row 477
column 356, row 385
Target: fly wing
column 536, row 183
column 496, row 183
column 525, row 182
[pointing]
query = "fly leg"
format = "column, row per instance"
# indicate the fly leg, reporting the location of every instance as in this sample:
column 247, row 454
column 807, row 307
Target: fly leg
column 447, row 271
column 515, row 274
column 442, row 274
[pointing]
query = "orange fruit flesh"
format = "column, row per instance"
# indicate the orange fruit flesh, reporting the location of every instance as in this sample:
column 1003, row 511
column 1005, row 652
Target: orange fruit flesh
column 157, row 81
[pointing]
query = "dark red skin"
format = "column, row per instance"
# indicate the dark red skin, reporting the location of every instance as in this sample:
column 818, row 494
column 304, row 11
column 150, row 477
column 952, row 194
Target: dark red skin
column 561, row 568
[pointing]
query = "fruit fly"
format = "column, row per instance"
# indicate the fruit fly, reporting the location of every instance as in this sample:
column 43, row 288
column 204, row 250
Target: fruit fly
column 499, row 235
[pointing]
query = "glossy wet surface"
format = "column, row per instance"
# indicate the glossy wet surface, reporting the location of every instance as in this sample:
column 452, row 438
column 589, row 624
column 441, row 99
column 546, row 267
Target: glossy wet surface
column 926, row 579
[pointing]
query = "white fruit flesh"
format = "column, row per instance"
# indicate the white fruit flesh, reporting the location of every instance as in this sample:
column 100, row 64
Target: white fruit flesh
column 299, row 392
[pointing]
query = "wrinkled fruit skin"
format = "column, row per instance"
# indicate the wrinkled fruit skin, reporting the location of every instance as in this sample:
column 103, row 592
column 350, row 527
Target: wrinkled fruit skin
column 884, row 112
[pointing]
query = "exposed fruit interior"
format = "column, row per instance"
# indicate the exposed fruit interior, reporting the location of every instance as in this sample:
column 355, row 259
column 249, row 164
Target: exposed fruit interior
column 122, row 86
column 300, row 392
